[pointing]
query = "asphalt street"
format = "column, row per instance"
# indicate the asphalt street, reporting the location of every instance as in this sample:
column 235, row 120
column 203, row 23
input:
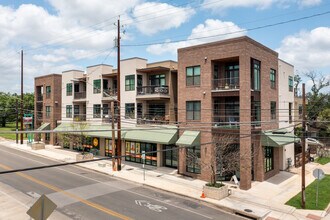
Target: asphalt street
column 84, row 194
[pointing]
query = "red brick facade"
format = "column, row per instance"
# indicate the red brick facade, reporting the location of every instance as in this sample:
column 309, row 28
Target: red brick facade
column 241, row 50
column 42, row 100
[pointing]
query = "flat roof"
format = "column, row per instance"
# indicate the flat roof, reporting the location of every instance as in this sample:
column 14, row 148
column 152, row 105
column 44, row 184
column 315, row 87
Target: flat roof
column 230, row 40
column 164, row 61
column 152, row 69
column 48, row 75
column 285, row 62
column 72, row 70
column 132, row 58
column 99, row 65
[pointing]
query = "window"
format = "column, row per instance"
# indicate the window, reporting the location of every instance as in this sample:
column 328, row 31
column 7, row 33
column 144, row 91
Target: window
column 193, row 159
column 69, row 89
column 129, row 82
column 273, row 110
column 47, row 137
column 256, row 113
column 133, row 151
column 47, row 111
column 76, row 110
column 290, row 112
column 96, row 111
column 129, row 110
column 97, row 86
column 48, row 91
column 272, row 78
column 290, row 84
column 269, row 159
column 193, row 76
column 255, row 74
column 157, row 80
column 69, row 111
column 193, row 110
column 105, row 109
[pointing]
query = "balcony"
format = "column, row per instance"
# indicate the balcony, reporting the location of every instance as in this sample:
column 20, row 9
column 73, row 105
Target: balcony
column 226, row 121
column 79, row 117
column 109, row 94
column 154, row 119
column 152, row 92
column 79, row 95
column 108, row 119
column 226, row 84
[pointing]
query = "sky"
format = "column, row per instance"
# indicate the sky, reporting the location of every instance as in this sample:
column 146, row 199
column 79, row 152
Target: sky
column 59, row 35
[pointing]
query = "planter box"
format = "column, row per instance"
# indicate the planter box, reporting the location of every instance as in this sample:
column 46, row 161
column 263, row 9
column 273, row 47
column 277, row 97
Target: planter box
column 37, row 146
column 87, row 156
column 216, row 193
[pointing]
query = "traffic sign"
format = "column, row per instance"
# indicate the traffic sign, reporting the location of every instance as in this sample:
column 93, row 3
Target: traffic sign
column 42, row 208
column 318, row 174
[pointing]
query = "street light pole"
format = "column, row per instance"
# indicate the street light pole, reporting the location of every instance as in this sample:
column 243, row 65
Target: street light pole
column 118, row 148
column 21, row 96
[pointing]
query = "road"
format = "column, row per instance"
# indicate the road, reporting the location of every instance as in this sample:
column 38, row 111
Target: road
column 80, row 193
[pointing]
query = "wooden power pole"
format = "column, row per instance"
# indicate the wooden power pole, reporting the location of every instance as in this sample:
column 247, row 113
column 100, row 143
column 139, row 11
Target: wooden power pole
column 118, row 148
column 21, row 96
column 303, row 143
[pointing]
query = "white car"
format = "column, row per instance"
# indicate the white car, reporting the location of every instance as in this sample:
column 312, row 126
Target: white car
column 312, row 141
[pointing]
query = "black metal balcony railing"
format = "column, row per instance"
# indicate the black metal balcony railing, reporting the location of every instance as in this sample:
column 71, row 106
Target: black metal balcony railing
column 109, row 92
column 79, row 117
column 80, row 95
column 226, row 121
column 148, row 90
column 226, row 83
column 39, row 98
column 108, row 119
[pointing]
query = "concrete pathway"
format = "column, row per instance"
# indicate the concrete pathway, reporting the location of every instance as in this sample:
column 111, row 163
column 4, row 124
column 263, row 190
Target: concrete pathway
column 265, row 199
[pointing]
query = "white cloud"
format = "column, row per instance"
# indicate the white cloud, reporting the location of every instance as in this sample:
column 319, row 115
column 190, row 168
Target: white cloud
column 307, row 50
column 258, row 4
column 211, row 30
column 152, row 17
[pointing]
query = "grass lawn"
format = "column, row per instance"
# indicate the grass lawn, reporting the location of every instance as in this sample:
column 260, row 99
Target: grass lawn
column 324, row 195
column 323, row 160
column 10, row 127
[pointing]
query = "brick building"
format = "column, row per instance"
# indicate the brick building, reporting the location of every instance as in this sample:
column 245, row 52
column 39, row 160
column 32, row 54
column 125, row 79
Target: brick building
column 47, row 105
column 226, row 88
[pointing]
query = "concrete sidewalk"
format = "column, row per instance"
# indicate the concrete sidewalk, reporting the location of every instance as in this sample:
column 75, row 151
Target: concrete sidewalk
column 265, row 199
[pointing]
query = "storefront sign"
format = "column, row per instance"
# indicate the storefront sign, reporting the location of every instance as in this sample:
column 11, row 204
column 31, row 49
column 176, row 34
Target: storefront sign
column 95, row 142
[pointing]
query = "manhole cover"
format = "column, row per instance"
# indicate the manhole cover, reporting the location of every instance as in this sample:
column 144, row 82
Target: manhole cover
column 248, row 210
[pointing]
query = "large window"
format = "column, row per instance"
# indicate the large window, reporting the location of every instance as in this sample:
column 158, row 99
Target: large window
column 129, row 110
column 290, row 83
column 97, row 86
column 129, row 82
column 96, row 111
column 69, row 111
column 273, row 110
column 69, row 89
column 272, row 78
column 290, row 112
column 48, row 111
column 193, row 76
column 133, row 152
column 193, row 159
column 105, row 109
column 157, row 80
column 193, row 110
column 48, row 91
column 255, row 82
column 256, row 113
column 269, row 159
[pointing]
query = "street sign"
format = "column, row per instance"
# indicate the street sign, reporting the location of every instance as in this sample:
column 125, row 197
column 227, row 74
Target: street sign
column 42, row 208
column 143, row 155
column 318, row 174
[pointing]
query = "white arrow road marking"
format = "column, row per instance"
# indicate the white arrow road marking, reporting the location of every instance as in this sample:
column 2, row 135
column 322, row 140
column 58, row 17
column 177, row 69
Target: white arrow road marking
column 156, row 208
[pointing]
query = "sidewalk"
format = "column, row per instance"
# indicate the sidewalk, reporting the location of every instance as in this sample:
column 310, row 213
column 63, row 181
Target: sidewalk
column 265, row 199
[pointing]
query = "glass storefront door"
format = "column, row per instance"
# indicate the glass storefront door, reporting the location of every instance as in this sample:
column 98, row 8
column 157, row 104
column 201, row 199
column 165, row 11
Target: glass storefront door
column 171, row 156
column 133, row 151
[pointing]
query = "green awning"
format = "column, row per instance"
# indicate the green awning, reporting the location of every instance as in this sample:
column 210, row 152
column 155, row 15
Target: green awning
column 45, row 126
column 278, row 138
column 103, row 131
column 161, row 136
column 189, row 138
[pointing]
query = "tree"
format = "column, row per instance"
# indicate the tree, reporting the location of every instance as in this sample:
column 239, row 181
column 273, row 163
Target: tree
column 316, row 99
column 225, row 159
column 297, row 80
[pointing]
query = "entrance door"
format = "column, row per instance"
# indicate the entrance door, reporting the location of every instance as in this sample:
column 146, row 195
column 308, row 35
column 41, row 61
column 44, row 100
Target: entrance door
column 171, row 156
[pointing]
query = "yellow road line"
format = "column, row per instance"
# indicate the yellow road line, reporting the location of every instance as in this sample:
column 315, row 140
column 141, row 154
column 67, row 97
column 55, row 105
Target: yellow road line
column 56, row 189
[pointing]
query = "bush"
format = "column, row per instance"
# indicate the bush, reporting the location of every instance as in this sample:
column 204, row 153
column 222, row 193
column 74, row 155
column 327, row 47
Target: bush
column 216, row 185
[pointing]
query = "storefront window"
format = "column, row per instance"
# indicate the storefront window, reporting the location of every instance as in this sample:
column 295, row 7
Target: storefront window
column 133, row 151
column 108, row 147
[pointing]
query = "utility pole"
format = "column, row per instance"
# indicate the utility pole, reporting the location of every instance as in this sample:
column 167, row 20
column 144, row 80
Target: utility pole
column 118, row 148
column 303, row 142
column 113, row 144
column 16, row 119
column 21, row 96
